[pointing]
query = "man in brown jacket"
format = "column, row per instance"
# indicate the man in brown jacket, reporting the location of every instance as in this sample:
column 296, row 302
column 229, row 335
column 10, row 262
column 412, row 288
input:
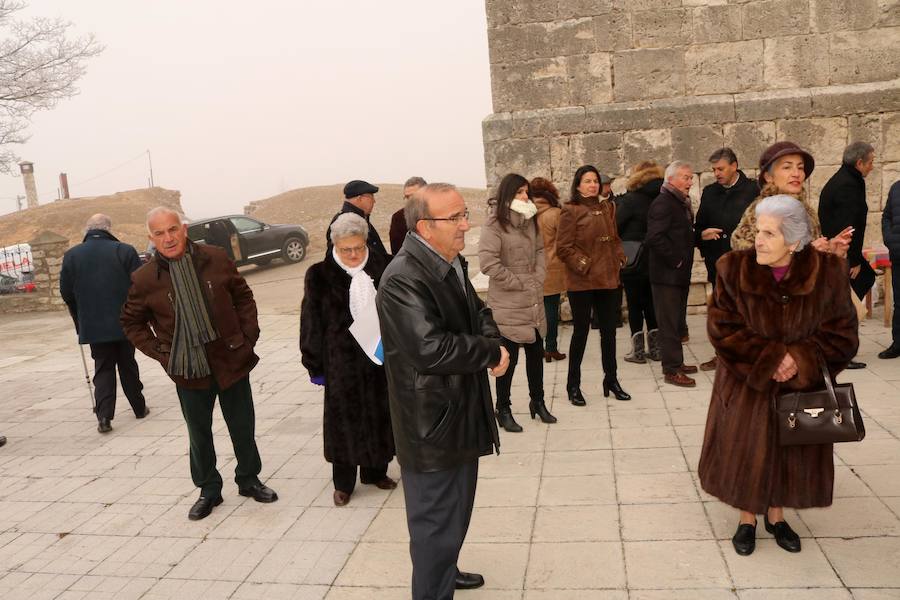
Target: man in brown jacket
column 204, row 327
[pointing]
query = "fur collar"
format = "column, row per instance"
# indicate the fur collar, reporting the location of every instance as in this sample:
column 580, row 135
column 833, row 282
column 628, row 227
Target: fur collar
column 800, row 280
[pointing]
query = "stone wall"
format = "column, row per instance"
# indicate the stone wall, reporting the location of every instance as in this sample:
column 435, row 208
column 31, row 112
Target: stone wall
column 612, row 82
column 47, row 249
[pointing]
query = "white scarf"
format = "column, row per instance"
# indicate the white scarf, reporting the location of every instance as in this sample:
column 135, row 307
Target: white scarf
column 526, row 209
column 362, row 288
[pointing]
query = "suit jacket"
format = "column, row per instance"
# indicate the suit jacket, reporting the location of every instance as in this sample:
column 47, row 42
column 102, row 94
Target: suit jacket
column 670, row 240
column 842, row 203
column 398, row 231
column 722, row 207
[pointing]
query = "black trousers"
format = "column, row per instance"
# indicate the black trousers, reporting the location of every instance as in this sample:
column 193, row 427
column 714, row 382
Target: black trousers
column 606, row 304
column 236, row 403
column 639, row 296
column 534, row 368
column 551, row 310
column 107, row 357
column 895, row 286
column 344, row 476
column 438, row 511
column 670, row 302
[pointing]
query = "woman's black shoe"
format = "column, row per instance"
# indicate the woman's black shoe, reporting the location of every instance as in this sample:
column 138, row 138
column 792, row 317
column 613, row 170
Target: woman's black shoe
column 506, row 421
column 784, row 535
column 611, row 384
column 537, row 407
column 575, row 396
column 744, row 540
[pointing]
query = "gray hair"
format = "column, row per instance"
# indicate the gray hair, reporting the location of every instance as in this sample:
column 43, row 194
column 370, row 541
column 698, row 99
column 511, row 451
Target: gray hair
column 857, row 151
column 163, row 210
column 349, row 225
column 726, row 153
column 98, row 221
column 674, row 167
column 415, row 181
column 416, row 207
column 795, row 225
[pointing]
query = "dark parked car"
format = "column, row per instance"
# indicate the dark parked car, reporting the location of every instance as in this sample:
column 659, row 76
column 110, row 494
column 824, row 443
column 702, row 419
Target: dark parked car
column 249, row 241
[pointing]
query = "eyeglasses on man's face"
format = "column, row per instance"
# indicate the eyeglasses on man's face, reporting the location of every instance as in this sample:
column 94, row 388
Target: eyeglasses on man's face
column 455, row 219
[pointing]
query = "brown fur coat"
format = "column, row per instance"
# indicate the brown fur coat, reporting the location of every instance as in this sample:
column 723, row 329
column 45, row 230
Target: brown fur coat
column 753, row 321
column 744, row 236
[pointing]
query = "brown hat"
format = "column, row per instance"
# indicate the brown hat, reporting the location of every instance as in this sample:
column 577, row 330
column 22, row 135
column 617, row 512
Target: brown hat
column 779, row 149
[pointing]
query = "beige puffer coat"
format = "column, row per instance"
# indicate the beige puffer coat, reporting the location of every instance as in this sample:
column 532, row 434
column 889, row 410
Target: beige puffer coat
column 548, row 222
column 513, row 260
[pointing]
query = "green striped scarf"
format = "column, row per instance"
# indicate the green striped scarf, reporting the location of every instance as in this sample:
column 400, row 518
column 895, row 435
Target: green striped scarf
column 193, row 328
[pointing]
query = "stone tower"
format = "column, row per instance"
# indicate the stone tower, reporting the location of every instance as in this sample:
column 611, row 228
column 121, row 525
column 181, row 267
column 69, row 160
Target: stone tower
column 27, row 169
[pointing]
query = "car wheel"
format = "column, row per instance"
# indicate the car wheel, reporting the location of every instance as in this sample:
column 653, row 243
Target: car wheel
column 293, row 250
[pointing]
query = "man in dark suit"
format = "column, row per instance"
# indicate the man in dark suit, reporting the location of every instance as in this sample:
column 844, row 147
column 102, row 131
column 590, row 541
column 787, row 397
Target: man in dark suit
column 842, row 203
column 670, row 240
column 398, row 219
column 439, row 341
column 359, row 199
column 93, row 282
column 890, row 231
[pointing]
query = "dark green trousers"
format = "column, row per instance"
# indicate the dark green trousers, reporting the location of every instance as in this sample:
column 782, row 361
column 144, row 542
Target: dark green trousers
column 236, row 403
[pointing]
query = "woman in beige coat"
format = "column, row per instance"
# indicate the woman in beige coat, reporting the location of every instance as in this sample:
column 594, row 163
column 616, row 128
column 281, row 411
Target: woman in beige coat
column 511, row 252
column 546, row 198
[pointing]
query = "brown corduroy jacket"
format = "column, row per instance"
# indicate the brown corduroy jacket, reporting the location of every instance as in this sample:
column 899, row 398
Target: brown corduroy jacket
column 588, row 243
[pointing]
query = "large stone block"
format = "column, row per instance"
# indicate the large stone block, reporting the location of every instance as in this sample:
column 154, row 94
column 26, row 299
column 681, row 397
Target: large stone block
column 773, row 18
column 861, row 56
column 506, row 12
column 647, row 144
column 624, row 116
column 603, row 150
column 529, row 157
column 796, row 61
column 613, row 31
column 817, row 181
column 762, row 106
column 498, row 126
column 574, row 9
column 695, row 144
column 888, row 13
column 547, row 121
column 890, row 124
column 560, row 159
column 890, row 174
column 866, row 128
column 661, row 28
column 856, row 98
column 542, row 83
column 873, row 188
column 648, row 73
column 825, row 139
column 639, row 5
column 749, row 140
column 713, row 24
column 515, row 43
column 590, row 79
column 837, row 15
column 724, row 68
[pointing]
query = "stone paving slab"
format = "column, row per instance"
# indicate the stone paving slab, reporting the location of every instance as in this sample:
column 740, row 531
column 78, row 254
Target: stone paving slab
column 604, row 504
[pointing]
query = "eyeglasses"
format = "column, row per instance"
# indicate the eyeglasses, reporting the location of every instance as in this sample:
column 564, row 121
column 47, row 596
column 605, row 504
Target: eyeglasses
column 452, row 218
column 351, row 250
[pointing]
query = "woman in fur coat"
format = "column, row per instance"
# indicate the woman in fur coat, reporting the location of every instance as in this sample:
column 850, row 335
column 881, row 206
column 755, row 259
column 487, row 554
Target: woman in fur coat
column 357, row 421
column 776, row 308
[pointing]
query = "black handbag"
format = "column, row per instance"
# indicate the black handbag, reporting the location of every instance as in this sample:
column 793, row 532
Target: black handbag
column 821, row 417
column 633, row 253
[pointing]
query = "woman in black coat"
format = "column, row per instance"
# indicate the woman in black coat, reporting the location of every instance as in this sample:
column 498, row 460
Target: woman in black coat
column 357, row 423
column 631, row 219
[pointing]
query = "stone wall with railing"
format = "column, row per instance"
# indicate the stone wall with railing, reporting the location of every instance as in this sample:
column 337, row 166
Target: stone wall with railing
column 47, row 249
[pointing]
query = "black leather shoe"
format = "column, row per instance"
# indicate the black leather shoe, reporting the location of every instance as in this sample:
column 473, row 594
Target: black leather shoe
column 468, row 581
column 611, row 384
column 104, row 426
column 856, row 365
column 537, row 407
column 143, row 414
column 506, row 421
column 260, row 493
column 893, row 351
column 203, row 506
column 2, row 440
column 784, row 535
column 744, row 540
column 575, row 396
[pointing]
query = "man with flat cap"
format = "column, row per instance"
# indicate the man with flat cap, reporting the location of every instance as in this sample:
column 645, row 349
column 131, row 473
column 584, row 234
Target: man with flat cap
column 359, row 199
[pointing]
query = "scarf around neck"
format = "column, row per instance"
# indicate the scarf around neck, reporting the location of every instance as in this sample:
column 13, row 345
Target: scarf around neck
column 362, row 288
column 526, row 209
column 193, row 326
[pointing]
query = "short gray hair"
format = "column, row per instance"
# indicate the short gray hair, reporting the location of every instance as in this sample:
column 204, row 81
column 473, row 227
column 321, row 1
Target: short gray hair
column 98, row 221
column 415, row 181
column 163, row 210
column 416, row 207
column 857, row 151
column 795, row 225
column 674, row 167
column 349, row 225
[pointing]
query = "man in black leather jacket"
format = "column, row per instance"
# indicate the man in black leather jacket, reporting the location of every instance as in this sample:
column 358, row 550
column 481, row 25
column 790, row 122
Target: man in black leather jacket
column 439, row 341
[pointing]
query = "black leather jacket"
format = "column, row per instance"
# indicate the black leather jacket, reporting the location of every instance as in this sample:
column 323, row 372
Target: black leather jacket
column 438, row 346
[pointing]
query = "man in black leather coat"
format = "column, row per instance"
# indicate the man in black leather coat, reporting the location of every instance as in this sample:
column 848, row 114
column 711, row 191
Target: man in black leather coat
column 439, row 341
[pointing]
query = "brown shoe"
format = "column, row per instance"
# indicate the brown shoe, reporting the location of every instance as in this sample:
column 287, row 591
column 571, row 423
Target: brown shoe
column 555, row 355
column 341, row 498
column 680, row 379
column 386, row 484
column 709, row 365
column 686, row 339
column 688, row 369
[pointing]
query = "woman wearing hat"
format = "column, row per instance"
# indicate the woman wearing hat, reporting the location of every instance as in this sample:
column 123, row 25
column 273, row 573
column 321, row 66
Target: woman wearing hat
column 784, row 167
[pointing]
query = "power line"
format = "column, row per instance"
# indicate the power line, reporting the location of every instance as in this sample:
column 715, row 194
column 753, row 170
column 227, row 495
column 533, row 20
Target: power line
column 108, row 171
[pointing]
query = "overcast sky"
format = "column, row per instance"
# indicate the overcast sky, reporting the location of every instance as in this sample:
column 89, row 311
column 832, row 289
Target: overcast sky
column 238, row 101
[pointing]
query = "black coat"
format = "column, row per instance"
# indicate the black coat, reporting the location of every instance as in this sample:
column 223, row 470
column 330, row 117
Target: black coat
column 374, row 240
column 842, row 203
column 890, row 221
column 438, row 344
column 94, row 281
column 631, row 220
column 357, row 421
column 670, row 240
column 723, row 208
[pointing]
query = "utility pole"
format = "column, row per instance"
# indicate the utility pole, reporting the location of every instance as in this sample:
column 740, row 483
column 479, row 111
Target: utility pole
column 150, row 161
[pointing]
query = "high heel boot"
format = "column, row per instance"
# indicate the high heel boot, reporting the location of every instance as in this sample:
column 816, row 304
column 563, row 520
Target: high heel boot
column 575, row 396
column 506, row 420
column 537, row 407
column 611, row 384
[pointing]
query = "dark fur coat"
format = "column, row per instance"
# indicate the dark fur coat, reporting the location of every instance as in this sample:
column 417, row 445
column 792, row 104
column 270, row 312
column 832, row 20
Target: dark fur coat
column 357, row 423
column 753, row 321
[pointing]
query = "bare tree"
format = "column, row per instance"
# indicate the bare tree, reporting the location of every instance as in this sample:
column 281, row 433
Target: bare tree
column 40, row 63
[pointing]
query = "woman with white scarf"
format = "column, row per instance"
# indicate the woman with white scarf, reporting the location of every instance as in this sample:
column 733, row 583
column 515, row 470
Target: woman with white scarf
column 340, row 346
column 511, row 252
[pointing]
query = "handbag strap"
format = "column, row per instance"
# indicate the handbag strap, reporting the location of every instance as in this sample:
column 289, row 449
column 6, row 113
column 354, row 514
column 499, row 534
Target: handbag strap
column 829, row 385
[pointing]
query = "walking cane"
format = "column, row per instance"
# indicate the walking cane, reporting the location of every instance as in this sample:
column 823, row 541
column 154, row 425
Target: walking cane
column 87, row 379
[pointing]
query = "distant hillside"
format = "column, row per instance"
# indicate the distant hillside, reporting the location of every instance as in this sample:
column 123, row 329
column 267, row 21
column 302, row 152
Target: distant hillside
column 128, row 211
column 313, row 208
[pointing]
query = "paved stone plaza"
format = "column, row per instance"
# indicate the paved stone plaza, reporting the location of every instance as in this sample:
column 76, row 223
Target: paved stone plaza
column 605, row 504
